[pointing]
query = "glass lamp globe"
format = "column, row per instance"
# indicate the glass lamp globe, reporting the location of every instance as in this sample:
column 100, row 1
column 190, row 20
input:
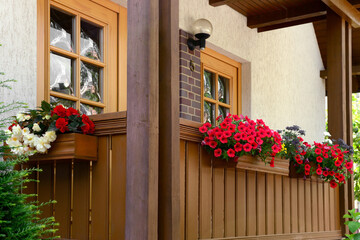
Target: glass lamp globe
column 202, row 28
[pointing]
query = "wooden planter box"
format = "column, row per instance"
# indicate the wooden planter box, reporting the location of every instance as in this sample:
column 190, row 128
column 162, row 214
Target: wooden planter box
column 71, row 146
column 254, row 164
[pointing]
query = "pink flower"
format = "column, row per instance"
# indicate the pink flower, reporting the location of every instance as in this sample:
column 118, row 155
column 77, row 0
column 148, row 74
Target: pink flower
column 231, row 153
column 217, row 152
column 203, row 129
column 247, row 147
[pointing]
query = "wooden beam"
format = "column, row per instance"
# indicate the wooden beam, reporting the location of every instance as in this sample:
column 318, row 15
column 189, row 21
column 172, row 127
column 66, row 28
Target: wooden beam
column 142, row 156
column 307, row 11
column 169, row 131
column 216, row 3
column 290, row 24
column 339, row 91
column 355, row 72
column 344, row 9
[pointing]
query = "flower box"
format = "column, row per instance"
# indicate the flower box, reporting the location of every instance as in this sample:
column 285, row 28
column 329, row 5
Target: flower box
column 294, row 174
column 71, row 146
column 281, row 166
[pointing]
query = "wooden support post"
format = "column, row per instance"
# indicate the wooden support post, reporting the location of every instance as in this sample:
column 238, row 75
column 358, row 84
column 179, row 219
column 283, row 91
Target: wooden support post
column 339, row 91
column 142, row 121
column 169, row 135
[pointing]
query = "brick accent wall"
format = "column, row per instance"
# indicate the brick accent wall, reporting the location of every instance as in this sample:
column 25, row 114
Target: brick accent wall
column 190, row 85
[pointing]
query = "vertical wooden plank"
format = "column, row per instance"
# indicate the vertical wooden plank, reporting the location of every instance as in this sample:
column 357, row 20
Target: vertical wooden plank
column 278, row 205
column 46, row 189
column 308, row 216
column 230, row 202
column 286, row 205
column 240, row 202
column 205, row 195
column 63, row 205
column 100, row 191
column 218, row 203
column 142, row 120
column 294, row 205
column 338, row 219
column 118, row 187
column 260, row 204
column 321, row 206
column 314, row 206
column 80, row 225
column 301, row 205
column 327, row 206
column 192, row 190
column 182, row 189
column 332, row 210
column 251, row 203
column 270, row 204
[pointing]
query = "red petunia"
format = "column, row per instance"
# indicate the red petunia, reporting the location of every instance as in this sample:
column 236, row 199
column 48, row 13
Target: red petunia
column 337, row 163
column 319, row 159
column 318, row 171
column 236, row 117
column 259, row 141
column 207, row 124
column 223, row 139
column 61, row 124
column 237, row 136
column 12, row 125
column 247, row 147
column 307, row 167
column 217, row 152
column 254, row 145
column 349, row 165
column 71, row 111
column 318, row 151
column 231, row 153
column 238, row 147
column 333, row 184
column 86, row 120
column 59, row 110
column 223, row 125
column 272, row 163
column 203, row 129
column 307, row 172
column 227, row 134
column 331, row 173
column 213, row 144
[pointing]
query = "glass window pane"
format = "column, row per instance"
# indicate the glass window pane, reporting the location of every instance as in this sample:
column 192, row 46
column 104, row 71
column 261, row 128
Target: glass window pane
column 209, row 112
column 62, row 74
column 209, row 84
column 91, row 83
column 91, row 41
column 223, row 89
column 89, row 110
column 64, row 102
column 61, row 30
column 222, row 111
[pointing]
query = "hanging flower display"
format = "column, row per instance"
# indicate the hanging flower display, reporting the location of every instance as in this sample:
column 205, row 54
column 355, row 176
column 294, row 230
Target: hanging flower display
column 35, row 130
column 236, row 136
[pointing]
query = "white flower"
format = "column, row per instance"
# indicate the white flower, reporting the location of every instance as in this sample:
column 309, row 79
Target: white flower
column 29, row 139
column 36, row 127
column 42, row 145
column 50, row 136
column 25, row 131
column 8, row 132
column 327, row 134
column 20, row 117
column 27, row 117
column 16, row 131
column 47, row 117
column 328, row 141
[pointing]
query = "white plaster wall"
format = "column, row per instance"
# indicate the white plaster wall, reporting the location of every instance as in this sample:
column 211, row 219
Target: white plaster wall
column 18, row 50
column 285, row 85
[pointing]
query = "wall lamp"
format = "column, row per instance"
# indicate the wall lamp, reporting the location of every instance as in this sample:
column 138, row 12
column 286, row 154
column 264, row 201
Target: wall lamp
column 202, row 30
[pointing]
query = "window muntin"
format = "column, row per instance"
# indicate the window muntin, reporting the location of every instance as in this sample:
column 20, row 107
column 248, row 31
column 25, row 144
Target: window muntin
column 77, row 64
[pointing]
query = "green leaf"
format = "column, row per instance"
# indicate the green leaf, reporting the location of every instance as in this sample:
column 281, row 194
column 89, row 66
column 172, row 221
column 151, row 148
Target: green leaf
column 52, row 127
column 45, row 106
column 353, row 226
column 347, row 216
column 356, row 236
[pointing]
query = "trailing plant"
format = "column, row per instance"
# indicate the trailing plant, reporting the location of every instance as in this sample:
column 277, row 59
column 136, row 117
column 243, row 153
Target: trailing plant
column 354, row 224
column 356, row 144
column 35, row 130
column 19, row 217
column 236, row 136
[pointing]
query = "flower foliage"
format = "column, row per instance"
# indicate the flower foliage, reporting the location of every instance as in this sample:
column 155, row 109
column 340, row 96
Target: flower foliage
column 236, row 136
column 330, row 160
column 35, row 130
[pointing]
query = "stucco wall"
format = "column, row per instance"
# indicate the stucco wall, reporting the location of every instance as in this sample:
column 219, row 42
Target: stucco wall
column 18, row 50
column 285, row 85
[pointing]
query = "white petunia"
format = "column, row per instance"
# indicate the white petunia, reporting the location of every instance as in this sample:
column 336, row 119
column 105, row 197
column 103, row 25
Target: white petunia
column 327, row 134
column 50, row 136
column 17, row 131
column 36, row 127
column 20, row 117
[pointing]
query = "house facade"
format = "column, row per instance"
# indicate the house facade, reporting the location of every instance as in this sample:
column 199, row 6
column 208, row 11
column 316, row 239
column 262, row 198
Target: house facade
column 128, row 64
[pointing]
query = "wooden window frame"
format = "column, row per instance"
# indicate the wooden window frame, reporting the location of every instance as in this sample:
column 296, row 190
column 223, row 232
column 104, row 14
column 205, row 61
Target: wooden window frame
column 43, row 56
column 208, row 58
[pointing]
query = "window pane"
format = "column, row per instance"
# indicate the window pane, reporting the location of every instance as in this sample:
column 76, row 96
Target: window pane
column 223, row 89
column 64, row 102
column 209, row 112
column 222, row 111
column 61, row 30
column 209, row 84
column 90, row 84
column 62, row 74
column 89, row 110
column 91, row 41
